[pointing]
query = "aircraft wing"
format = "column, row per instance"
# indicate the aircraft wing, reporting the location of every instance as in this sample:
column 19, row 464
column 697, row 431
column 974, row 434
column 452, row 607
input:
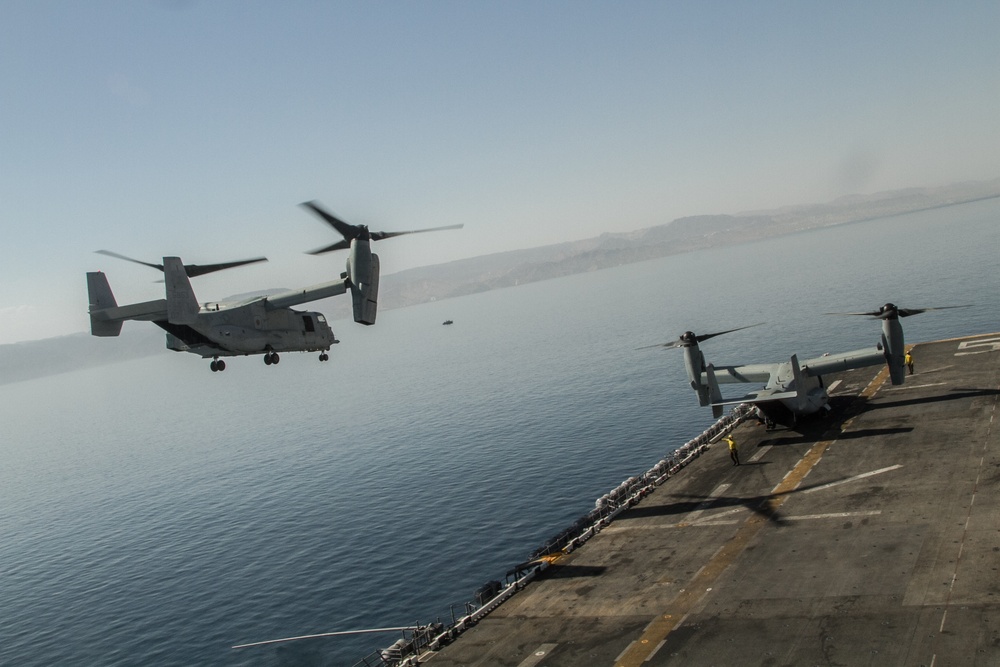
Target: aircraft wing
column 746, row 373
column 831, row 363
column 762, row 396
column 305, row 295
column 844, row 361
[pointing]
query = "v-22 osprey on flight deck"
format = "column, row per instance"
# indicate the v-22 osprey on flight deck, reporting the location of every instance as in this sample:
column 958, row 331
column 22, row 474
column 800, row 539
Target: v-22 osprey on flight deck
column 793, row 389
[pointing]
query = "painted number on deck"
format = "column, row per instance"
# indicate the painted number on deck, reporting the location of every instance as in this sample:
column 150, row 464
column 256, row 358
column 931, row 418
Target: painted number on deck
column 991, row 345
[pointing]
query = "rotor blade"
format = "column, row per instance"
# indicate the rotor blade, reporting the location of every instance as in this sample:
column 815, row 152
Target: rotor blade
column 348, row 231
column 906, row 312
column 158, row 267
column 193, row 270
column 378, row 236
column 873, row 313
column 681, row 342
column 901, row 312
column 704, row 337
column 339, row 245
column 673, row 343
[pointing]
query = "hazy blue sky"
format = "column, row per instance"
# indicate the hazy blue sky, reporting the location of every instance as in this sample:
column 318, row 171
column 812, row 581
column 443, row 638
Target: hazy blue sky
column 194, row 128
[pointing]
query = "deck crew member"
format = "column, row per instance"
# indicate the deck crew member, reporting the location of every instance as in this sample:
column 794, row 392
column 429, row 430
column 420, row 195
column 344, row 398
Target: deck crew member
column 734, row 451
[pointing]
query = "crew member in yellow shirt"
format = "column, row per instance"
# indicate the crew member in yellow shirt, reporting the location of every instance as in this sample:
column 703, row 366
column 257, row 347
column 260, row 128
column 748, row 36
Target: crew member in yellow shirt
column 734, row 450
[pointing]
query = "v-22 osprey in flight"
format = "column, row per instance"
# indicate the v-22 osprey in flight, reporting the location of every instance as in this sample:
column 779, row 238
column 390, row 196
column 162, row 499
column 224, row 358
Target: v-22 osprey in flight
column 266, row 325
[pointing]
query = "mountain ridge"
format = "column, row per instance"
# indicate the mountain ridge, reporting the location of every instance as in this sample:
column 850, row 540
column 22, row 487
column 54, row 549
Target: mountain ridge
column 30, row 359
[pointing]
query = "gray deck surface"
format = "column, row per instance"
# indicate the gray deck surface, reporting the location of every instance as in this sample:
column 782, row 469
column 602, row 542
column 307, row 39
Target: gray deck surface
column 873, row 539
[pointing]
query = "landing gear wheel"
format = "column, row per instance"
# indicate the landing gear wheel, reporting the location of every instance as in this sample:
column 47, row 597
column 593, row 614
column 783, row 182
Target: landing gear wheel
column 275, row 358
column 221, row 365
column 214, row 366
column 267, row 358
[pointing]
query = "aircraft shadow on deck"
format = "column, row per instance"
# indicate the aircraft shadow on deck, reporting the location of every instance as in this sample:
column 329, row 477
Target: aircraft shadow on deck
column 557, row 571
column 815, row 430
column 798, row 439
column 823, row 426
column 759, row 505
column 956, row 393
column 872, row 432
column 830, row 426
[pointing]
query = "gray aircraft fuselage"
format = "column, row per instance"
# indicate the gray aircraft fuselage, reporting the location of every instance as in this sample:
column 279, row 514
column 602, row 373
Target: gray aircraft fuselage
column 222, row 331
column 263, row 325
column 791, row 390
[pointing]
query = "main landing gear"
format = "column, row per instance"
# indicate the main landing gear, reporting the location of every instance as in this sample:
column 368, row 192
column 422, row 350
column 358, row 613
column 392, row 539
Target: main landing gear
column 323, row 356
column 271, row 358
column 217, row 365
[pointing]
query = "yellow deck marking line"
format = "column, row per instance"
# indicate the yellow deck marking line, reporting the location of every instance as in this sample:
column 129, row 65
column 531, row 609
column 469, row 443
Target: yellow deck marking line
column 704, row 580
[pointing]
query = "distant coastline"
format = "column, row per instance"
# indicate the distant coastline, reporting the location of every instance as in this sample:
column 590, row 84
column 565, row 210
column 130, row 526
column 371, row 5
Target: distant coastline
column 27, row 360
column 508, row 269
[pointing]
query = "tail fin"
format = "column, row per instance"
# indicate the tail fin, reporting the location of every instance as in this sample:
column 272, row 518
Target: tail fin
column 716, row 394
column 182, row 305
column 800, row 384
column 101, row 298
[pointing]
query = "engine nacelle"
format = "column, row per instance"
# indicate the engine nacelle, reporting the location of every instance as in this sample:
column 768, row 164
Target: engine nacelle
column 364, row 293
column 894, row 347
column 694, row 365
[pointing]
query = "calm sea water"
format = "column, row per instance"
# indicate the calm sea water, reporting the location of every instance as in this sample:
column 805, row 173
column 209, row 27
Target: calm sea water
column 156, row 513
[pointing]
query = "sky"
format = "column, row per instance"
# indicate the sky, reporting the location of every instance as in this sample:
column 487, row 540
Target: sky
column 179, row 127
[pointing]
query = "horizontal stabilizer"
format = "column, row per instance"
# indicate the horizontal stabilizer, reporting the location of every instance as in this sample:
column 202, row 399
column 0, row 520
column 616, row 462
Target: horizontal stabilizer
column 106, row 316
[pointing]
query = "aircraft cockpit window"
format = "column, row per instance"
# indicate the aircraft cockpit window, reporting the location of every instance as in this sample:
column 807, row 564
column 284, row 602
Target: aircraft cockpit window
column 321, row 317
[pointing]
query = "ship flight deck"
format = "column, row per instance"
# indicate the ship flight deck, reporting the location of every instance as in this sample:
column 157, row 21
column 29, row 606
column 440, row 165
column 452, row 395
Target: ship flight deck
column 873, row 538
